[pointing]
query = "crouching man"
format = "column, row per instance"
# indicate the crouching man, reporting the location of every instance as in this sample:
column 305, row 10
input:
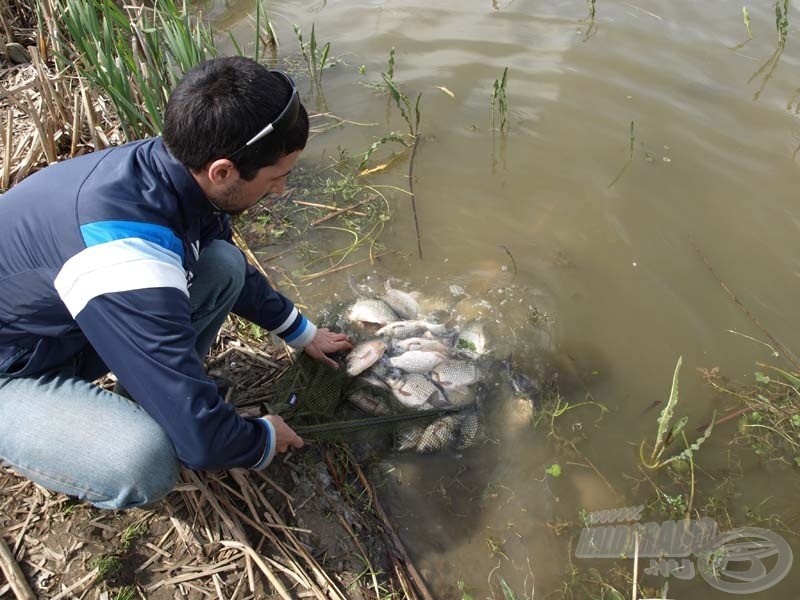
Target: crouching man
column 121, row 260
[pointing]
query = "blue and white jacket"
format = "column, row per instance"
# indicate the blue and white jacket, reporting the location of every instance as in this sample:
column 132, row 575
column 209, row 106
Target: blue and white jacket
column 95, row 258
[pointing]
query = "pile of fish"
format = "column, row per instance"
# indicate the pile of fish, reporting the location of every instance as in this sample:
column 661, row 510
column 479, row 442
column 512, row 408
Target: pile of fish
column 408, row 362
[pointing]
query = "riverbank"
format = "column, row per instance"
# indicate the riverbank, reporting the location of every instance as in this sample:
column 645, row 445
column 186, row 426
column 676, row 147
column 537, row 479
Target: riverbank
column 310, row 527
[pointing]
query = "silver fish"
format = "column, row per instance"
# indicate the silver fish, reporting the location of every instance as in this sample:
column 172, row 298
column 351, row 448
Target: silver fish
column 417, row 361
column 440, row 434
column 369, row 403
column 364, row 355
column 468, row 430
column 454, row 374
column 373, row 380
column 461, row 396
column 414, row 390
column 472, row 341
column 407, row 438
column 403, row 303
column 431, row 344
column 406, row 329
column 371, row 310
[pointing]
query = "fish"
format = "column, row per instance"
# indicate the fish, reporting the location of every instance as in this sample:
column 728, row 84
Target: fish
column 471, row 341
column 417, row 361
column 432, row 344
column 454, row 374
column 468, row 430
column 439, row 435
column 364, row 355
column 461, row 396
column 406, row 329
column 408, row 437
column 371, row 310
column 414, row 390
column 403, row 303
column 373, row 380
column 369, row 403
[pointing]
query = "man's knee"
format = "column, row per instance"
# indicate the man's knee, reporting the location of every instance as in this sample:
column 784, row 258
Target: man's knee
column 149, row 473
column 223, row 264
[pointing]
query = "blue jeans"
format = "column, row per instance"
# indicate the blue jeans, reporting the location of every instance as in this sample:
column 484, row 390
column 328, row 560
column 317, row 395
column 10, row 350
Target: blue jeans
column 71, row 436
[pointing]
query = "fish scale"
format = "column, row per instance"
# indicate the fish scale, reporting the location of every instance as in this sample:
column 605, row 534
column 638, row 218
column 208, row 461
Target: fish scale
column 417, row 361
column 454, row 374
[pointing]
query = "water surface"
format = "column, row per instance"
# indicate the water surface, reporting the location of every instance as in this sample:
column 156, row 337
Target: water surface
column 616, row 267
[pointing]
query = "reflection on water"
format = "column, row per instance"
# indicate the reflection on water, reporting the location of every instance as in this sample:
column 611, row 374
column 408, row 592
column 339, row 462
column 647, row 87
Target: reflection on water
column 613, row 267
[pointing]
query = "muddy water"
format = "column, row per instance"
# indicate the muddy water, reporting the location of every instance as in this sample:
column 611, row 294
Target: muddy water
column 611, row 258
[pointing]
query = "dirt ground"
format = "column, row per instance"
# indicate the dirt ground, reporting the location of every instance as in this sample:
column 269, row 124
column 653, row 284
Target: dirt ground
column 310, row 523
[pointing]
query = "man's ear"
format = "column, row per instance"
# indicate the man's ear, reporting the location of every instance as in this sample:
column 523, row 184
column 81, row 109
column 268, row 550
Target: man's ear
column 222, row 172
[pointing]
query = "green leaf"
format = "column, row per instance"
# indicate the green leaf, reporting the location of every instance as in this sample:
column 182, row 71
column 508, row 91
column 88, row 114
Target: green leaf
column 691, row 450
column 674, row 431
column 554, row 470
column 508, row 593
column 666, row 415
column 761, row 378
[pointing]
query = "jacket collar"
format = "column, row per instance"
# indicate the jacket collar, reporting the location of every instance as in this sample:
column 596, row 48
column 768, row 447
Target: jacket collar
column 193, row 205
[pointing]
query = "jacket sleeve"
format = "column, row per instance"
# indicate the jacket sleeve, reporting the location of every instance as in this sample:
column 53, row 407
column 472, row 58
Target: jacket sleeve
column 261, row 304
column 127, row 292
column 146, row 338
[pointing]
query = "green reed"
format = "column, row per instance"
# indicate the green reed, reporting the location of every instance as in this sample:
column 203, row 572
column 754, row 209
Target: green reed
column 500, row 102
column 135, row 56
column 782, row 19
column 316, row 57
column 746, row 19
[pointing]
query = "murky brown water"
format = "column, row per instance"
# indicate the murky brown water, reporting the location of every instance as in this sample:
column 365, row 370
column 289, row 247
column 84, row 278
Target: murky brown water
column 613, row 265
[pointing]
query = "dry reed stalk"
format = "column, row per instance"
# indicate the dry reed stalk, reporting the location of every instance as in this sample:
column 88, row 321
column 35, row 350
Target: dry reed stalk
column 9, row 129
column 13, row 574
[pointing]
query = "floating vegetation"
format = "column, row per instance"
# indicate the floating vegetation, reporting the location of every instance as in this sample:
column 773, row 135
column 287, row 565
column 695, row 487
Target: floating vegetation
column 746, row 19
column 500, row 102
column 768, row 422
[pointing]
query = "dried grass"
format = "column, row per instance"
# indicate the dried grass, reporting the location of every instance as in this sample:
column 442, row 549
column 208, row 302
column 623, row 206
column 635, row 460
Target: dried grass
column 236, row 535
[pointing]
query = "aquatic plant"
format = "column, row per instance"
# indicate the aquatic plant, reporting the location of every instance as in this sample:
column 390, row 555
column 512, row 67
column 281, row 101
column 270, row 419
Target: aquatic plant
column 668, row 433
column 315, row 57
column 769, row 66
column 591, row 29
column 632, row 141
column 746, row 19
column 500, row 102
column 265, row 35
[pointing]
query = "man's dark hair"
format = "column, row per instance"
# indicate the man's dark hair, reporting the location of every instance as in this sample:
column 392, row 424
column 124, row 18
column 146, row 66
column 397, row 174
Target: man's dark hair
column 222, row 103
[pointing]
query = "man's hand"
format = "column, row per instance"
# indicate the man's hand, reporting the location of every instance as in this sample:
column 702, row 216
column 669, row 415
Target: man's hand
column 284, row 435
column 326, row 341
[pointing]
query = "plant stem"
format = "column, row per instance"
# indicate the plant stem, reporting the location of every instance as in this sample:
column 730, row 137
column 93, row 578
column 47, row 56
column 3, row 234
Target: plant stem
column 413, row 196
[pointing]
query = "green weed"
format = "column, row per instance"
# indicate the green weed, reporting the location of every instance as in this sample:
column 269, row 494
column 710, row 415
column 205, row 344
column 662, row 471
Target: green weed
column 108, row 566
column 668, row 433
column 500, row 102
column 316, row 57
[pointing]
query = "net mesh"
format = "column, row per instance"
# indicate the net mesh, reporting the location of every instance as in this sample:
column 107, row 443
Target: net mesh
column 313, row 398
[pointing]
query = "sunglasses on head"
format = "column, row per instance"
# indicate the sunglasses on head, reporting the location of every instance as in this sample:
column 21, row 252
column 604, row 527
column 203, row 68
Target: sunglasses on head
column 285, row 120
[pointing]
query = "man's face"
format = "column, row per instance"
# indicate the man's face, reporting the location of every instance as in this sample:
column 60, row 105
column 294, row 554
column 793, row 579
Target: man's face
column 241, row 195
